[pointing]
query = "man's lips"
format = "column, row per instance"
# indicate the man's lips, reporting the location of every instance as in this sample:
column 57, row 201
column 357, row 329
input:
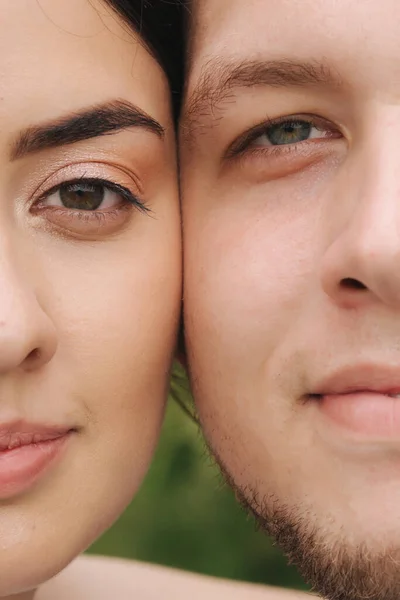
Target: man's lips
column 364, row 378
column 363, row 400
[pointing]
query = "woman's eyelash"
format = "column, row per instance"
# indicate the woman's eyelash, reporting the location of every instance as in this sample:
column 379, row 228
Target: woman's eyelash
column 111, row 186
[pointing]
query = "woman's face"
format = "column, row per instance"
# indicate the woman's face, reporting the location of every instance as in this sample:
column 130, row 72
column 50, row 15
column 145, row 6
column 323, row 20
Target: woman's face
column 89, row 276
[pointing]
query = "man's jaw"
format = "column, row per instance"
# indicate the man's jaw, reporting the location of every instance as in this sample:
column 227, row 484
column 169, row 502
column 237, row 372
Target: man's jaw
column 334, row 566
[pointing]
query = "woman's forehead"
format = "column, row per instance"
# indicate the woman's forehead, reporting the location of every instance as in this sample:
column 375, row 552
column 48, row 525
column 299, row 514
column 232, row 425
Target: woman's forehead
column 84, row 54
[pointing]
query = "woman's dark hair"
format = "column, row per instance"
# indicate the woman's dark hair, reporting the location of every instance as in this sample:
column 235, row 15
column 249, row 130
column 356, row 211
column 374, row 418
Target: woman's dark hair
column 160, row 24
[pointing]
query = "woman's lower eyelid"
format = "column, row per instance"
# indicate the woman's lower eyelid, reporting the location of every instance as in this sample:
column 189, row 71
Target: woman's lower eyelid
column 86, row 215
column 83, row 215
column 82, row 224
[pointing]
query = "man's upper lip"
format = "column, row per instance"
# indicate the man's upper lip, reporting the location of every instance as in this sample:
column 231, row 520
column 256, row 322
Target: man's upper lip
column 361, row 378
column 21, row 433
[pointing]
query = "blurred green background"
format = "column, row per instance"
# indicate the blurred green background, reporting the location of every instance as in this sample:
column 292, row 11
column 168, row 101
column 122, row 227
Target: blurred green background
column 185, row 517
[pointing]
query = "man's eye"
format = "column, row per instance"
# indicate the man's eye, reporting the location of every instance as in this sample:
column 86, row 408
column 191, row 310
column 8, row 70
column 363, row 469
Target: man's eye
column 284, row 132
column 292, row 131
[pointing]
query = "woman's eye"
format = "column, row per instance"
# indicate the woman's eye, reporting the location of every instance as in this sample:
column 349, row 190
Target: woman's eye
column 83, row 195
column 290, row 132
column 88, row 206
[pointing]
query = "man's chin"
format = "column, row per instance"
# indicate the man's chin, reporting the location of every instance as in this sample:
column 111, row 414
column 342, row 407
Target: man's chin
column 335, row 567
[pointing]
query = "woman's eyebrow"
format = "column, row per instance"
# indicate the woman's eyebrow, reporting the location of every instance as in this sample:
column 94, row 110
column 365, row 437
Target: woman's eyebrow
column 84, row 124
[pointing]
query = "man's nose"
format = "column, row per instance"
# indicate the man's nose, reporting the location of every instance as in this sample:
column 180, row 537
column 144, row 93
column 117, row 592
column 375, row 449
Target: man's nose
column 27, row 334
column 361, row 264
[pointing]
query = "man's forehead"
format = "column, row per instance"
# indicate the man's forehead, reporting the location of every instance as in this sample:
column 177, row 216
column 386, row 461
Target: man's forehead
column 227, row 27
column 209, row 28
column 233, row 30
column 348, row 39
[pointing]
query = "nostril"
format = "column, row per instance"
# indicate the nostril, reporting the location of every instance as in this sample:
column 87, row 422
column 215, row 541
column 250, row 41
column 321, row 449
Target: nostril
column 352, row 284
column 33, row 356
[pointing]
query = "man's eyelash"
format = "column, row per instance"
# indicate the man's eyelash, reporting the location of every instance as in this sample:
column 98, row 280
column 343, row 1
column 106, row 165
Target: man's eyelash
column 241, row 144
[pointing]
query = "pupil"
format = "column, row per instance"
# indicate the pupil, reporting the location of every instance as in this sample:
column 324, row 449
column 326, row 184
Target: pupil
column 81, row 196
column 289, row 133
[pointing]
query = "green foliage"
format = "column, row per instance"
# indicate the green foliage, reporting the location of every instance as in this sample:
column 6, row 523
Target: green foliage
column 185, row 517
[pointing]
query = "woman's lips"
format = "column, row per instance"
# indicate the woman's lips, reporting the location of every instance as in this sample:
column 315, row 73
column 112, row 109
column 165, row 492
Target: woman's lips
column 26, row 453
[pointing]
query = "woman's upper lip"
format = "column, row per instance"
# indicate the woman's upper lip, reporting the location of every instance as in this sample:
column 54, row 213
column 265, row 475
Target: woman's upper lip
column 22, row 433
column 360, row 378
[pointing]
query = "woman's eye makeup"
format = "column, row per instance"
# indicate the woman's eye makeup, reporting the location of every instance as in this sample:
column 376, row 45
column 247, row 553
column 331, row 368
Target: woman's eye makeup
column 85, row 204
column 284, row 132
column 90, row 194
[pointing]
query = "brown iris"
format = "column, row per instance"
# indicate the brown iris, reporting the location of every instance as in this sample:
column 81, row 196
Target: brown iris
column 82, row 196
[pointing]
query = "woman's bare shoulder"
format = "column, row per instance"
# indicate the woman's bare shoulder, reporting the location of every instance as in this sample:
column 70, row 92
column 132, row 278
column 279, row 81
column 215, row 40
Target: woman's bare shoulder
column 102, row 578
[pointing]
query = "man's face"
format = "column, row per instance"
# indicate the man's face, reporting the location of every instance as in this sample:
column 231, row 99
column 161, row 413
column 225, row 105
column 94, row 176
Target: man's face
column 291, row 200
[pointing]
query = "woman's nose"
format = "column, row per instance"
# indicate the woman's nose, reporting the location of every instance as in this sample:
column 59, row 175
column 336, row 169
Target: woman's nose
column 27, row 334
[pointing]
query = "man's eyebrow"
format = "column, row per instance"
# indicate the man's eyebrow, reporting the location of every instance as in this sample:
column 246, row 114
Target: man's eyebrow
column 219, row 79
column 95, row 121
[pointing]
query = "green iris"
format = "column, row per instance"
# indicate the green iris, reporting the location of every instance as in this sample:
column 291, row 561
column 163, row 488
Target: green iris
column 82, row 196
column 289, row 132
